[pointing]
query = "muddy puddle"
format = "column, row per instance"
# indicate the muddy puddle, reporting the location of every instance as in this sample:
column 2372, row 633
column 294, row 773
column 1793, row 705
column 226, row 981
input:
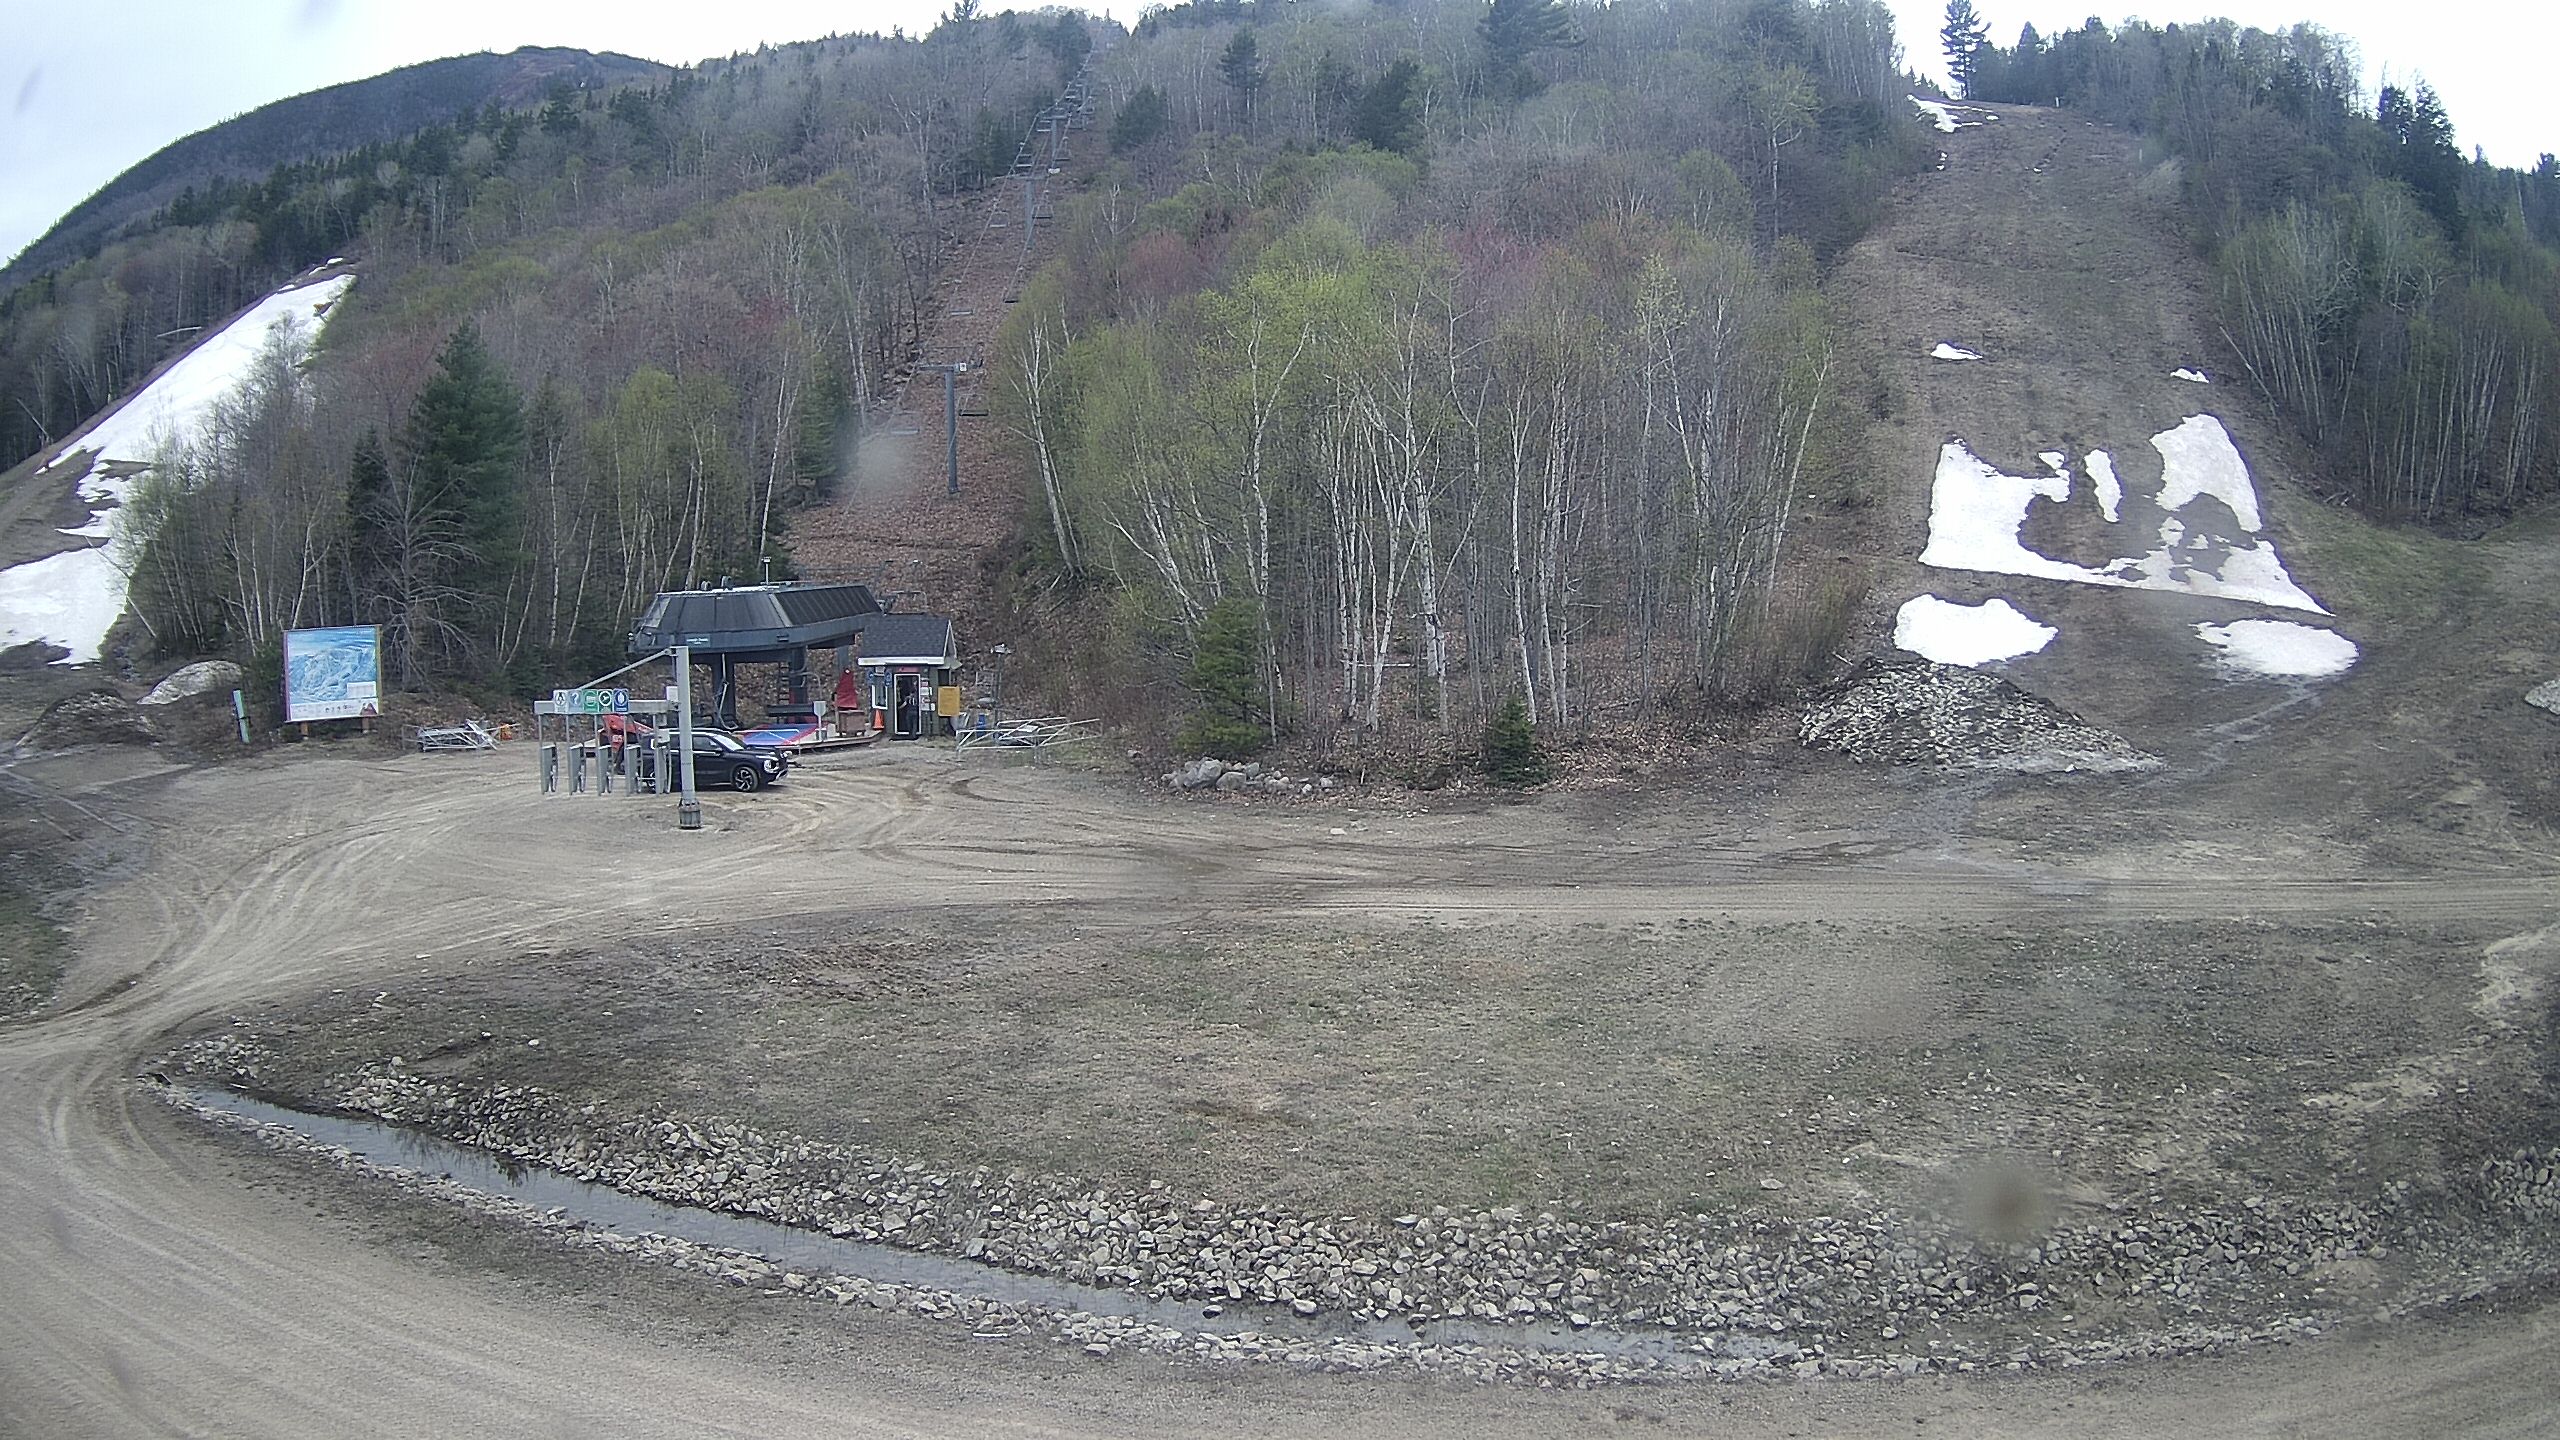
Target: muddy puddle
column 605, row 1208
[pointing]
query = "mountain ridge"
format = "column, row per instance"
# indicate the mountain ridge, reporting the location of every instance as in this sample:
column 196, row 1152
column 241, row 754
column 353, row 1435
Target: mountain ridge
column 328, row 120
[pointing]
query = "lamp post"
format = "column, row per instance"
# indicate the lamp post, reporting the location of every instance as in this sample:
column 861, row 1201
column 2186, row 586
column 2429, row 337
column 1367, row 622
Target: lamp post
column 688, row 804
column 1001, row 651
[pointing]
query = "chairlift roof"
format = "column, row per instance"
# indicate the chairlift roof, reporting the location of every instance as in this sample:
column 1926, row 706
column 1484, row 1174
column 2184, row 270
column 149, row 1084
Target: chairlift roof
column 749, row 620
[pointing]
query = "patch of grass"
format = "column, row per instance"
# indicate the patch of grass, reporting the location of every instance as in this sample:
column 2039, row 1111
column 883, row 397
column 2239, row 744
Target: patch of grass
column 2378, row 572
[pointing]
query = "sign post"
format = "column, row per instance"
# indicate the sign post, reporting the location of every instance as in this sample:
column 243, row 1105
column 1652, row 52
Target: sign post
column 688, row 808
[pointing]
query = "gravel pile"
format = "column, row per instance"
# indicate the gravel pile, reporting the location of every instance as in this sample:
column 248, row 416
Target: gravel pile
column 1902, row 711
column 92, row 717
column 1839, row 1294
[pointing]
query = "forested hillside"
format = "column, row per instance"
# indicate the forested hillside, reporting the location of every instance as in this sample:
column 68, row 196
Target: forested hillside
column 1398, row 362
column 599, row 346
column 2397, row 301
column 1420, row 357
column 1447, row 351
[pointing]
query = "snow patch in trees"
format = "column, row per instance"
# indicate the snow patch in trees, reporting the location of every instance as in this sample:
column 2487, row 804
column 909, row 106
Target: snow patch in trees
column 1946, row 351
column 1953, row 634
column 1975, row 513
column 2280, row 648
column 2197, row 376
column 73, row 598
column 1952, row 118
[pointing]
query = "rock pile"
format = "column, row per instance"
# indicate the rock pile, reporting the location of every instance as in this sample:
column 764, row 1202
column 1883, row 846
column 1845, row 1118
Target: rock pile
column 1206, row 774
column 1904, row 711
column 1720, row 1285
column 92, row 717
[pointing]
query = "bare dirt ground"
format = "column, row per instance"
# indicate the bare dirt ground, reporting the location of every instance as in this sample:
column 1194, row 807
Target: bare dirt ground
column 2300, row 960
column 160, row 1292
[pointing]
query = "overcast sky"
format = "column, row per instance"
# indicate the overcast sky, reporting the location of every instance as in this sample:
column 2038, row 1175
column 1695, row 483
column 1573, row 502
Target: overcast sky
column 97, row 86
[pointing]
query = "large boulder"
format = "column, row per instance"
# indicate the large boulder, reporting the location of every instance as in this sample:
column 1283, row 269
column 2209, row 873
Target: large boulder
column 202, row 677
column 2545, row 696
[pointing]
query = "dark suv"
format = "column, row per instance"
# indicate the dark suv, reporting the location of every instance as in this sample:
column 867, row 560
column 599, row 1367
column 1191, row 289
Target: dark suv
column 720, row 758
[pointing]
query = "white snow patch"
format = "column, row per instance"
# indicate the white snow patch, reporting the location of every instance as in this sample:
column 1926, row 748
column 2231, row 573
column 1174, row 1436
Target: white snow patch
column 1953, row 634
column 1952, row 118
column 2280, row 648
column 1946, row 351
column 1975, row 513
column 69, row 599
column 73, row 598
column 2197, row 376
column 2102, row 475
column 2200, row 460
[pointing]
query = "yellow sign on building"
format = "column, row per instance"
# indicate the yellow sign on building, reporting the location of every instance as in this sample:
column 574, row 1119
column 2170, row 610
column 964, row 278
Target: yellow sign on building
column 946, row 701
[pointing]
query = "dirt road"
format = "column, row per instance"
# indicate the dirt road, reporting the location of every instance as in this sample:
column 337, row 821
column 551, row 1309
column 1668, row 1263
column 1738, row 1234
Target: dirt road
column 164, row 1283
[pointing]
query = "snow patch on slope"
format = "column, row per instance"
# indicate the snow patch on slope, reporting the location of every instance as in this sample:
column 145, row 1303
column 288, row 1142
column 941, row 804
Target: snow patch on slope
column 1952, row 118
column 73, row 598
column 2280, row 648
column 1946, row 351
column 1954, row 634
column 1975, row 514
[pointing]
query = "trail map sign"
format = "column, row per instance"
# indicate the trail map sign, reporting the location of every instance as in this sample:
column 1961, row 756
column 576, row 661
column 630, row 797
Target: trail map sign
column 333, row 674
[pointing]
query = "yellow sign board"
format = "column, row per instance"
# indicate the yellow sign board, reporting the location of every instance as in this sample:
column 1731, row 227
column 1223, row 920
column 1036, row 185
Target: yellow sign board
column 946, row 701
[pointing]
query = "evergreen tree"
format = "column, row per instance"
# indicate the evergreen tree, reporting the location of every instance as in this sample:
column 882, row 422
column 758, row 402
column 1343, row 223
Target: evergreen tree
column 368, row 538
column 817, row 456
column 1963, row 36
column 1226, row 683
column 1386, row 116
column 1241, row 68
column 2424, row 157
column 462, row 449
column 1142, row 118
column 1515, row 29
column 1511, row 754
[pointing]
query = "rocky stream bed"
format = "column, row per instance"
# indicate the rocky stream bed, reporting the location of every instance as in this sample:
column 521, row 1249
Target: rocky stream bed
column 1735, row 1294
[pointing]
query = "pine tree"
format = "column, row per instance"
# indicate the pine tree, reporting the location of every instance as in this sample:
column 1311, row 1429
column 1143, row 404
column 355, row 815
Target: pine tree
column 1513, row 28
column 1511, row 754
column 2424, row 156
column 1963, row 36
column 1142, row 118
column 368, row 525
column 461, row 453
column 1225, row 682
column 1241, row 68
column 1384, row 117
column 817, row 454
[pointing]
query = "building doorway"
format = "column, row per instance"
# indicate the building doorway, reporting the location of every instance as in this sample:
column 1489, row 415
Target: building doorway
column 908, row 712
